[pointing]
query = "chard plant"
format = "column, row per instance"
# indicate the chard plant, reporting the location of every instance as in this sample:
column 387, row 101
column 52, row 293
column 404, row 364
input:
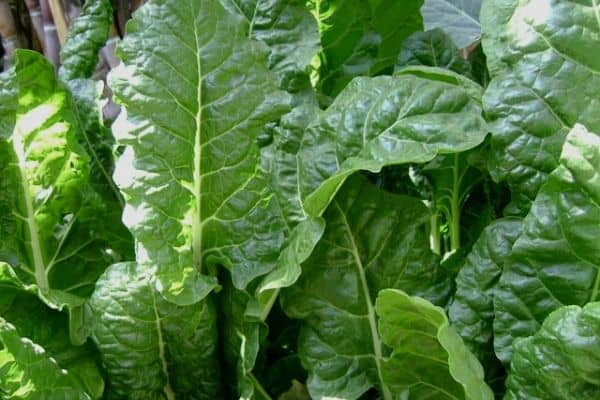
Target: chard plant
column 305, row 200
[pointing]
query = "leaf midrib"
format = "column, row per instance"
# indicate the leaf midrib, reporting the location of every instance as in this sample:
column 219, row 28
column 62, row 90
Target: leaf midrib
column 377, row 345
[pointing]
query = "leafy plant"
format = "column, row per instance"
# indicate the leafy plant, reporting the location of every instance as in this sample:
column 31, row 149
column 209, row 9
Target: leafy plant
column 318, row 200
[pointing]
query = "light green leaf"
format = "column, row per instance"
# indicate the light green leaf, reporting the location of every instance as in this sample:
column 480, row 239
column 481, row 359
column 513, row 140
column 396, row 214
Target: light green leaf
column 458, row 18
column 191, row 163
column 87, row 35
column 432, row 48
column 543, row 58
column 151, row 348
column 383, row 121
column 373, row 240
column 49, row 212
column 38, row 362
column 429, row 360
column 360, row 37
column 288, row 28
column 562, row 360
column 556, row 260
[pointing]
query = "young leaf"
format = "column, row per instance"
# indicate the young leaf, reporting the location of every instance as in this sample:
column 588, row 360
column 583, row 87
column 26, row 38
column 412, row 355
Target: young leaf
column 562, row 360
column 87, row 35
column 545, row 78
column 429, row 359
column 458, row 18
column 556, row 260
column 373, row 240
column 383, row 121
column 191, row 163
column 151, row 348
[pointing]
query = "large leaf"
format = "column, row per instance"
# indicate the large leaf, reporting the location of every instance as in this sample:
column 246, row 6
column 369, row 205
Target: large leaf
column 429, row 359
column 49, row 212
column 87, row 35
column 38, row 360
column 543, row 58
column 288, row 28
column 373, row 240
column 556, row 260
column 191, row 165
column 433, row 48
column 562, row 360
column 360, row 37
column 151, row 348
column 387, row 120
column 458, row 18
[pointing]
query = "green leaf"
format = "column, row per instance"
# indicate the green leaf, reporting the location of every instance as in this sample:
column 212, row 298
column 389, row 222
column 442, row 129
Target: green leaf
column 562, row 360
column 429, row 359
column 151, row 348
column 87, row 35
column 37, row 361
column 373, row 240
column 432, row 48
column 556, row 260
column 288, row 28
column 458, row 18
column 360, row 37
column 191, row 163
column 542, row 57
column 383, row 121
column 49, row 211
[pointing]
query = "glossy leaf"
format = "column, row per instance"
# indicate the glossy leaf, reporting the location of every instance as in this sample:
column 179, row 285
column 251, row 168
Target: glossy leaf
column 373, row 240
column 543, row 59
column 458, row 18
column 151, row 348
column 290, row 31
column 433, row 48
column 360, row 37
column 196, row 172
column 87, row 35
column 562, row 360
column 48, row 208
column 429, row 359
column 556, row 260
column 383, row 121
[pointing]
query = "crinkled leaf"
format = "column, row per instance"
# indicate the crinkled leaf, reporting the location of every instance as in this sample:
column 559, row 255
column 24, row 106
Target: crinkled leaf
column 360, row 37
column 458, row 18
column 151, row 348
column 433, row 48
column 562, row 360
column 556, row 260
column 288, row 28
column 429, row 360
column 387, row 120
column 87, row 35
column 49, row 211
column 373, row 240
column 543, row 58
column 49, row 330
column 190, row 174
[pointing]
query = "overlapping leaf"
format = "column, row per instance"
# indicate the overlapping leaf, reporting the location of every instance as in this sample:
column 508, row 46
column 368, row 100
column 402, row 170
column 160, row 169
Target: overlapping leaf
column 429, row 359
column 556, row 260
column 373, row 240
column 383, row 121
column 562, row 360
column 458, row 18
column 49, row 212
column 543, row 58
